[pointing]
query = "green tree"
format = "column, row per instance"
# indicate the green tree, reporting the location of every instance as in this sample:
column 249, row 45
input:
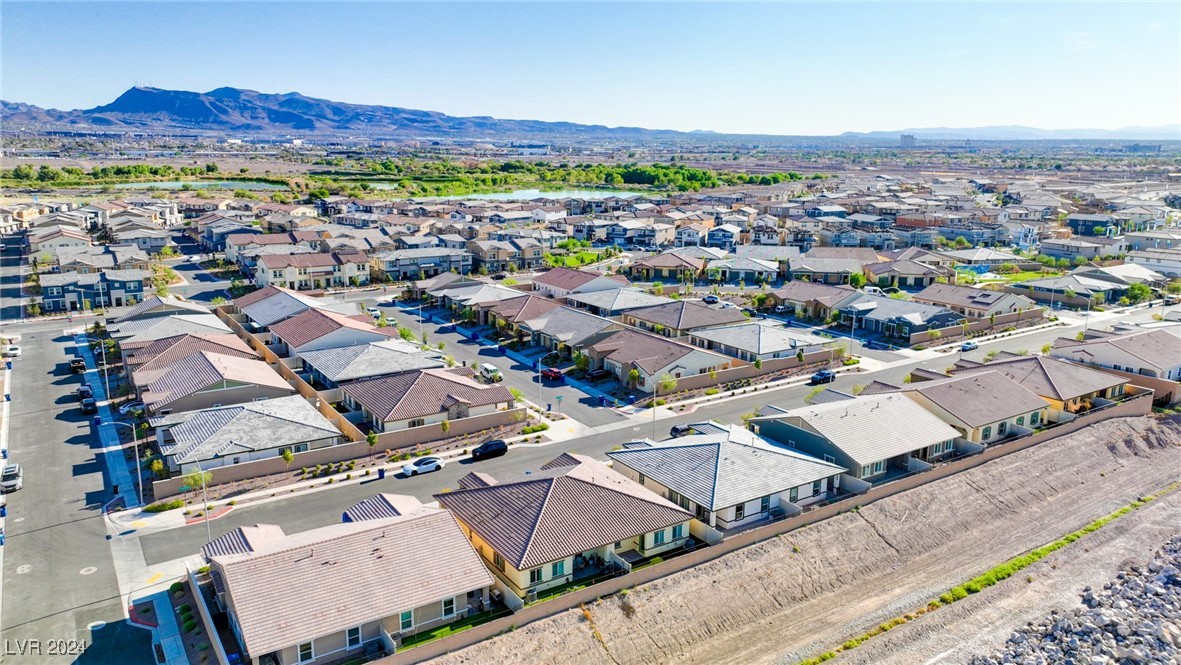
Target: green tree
column 1138, row 293
column 633, row 378
column 962, row 243
column 758, row 363
column 157, row 468
column 445, row 426
column 371, row 439
column 288, row 458
column 857, row 280
column 658, row 289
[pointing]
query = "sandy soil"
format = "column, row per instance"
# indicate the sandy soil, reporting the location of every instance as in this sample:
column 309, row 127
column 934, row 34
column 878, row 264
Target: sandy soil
column 808, row 591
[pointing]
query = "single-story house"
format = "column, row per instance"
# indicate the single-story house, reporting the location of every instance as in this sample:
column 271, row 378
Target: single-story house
column 972, row 302
column 823, row 270
column 1065, row 385
column 985, row 408
column 743, row 269
column 678, row 318
column 652, row 356
column 756, row 340
column 613, row 302
column 893, row 317
column 334, row 366
column 873, row 436
column 667, row 267
column 226, row 435
column 981, row 256
column 316, row 329
column 565, row 328
column 203, row 379
column 809, row 299
column 560, row 282
column 726, row 483
column 903, row 274
column 329, row 593
column 571, row 519
column 423, row 397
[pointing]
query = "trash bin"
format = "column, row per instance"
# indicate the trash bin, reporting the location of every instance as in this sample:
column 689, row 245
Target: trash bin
column 98, row 421
column 549, row 407
column 602, row 400
column 381, row 474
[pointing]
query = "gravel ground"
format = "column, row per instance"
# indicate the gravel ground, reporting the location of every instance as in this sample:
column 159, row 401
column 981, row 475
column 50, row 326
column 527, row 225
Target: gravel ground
column 1133, row 619
column 808, row 591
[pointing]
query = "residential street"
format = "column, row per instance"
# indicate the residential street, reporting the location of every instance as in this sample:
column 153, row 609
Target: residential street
column 59, row 575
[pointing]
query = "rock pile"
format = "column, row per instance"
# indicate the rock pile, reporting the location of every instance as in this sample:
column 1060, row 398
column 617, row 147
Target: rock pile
column 1135, row 619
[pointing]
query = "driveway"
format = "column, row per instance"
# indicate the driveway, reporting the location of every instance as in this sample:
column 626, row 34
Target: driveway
column 59, row 575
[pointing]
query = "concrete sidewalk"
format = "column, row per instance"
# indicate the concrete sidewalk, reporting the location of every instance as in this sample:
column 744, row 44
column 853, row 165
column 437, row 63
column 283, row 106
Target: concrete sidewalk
column 167, row 633
column 111, row 447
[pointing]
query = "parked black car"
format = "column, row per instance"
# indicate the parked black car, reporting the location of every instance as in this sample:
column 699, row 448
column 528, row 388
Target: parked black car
column 679, row 430
column 89, row 405
column 77, row 365
column 597, row 375
column 489, row 449
column 85, row 392
column 824, row 376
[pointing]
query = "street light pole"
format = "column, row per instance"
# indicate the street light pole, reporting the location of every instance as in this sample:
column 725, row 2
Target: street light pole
column 139, row 476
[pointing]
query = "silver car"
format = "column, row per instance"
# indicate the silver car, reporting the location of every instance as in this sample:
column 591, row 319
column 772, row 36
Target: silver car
column 12, row 478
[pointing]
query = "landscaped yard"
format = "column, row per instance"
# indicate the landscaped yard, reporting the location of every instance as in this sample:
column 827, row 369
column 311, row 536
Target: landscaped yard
column 572, row 260
column 457, row 627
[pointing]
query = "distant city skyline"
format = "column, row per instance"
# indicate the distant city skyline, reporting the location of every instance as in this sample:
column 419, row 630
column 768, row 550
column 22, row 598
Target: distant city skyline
column 765, row 68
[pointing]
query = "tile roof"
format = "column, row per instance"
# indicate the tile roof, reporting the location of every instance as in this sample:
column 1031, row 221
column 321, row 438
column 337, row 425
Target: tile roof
column 569, row 279
column 567, row 324
column 167, row 350
column 685, row 315
column 272, row 304
column 523, row 308
column 1159, row 349
column 157, row 327
column 346, row 575
column 1050, row 377
column 979, row 399
column 799, row 291
column 241, row 428
column 381, row 506
column 760, row 338
column 422, row 393
column 874, row 427
column 362, row 361
column 565, row 509
column 671, row 260
column 717, row 474
column 313, row 324
column 824, row 265
column 319, row 260
column 859, row 254
column 201, row 370
column 651, row 353
column 960, row 296
column 158, row 304
column 617, row 300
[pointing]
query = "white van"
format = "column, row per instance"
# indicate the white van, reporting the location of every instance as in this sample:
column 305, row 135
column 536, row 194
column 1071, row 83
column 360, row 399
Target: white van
column 490, row 373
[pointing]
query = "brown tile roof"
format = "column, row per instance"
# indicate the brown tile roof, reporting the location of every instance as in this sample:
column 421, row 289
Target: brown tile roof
column 862, row 254
column 903, row 267
column 669, row 260
column 650, row 353
column 804, row 291
column 524, row 308
column 278, row 261
column 200, row 370
column 569, row 278
column 980, row 399
column 1049, row 377
column 313, row 324
column 291, row 237
column 289, row 589
column 261, row 294
column 170, row 349
column 422, row 393
column 959, row 296
column 683, row 315
column 574, row 504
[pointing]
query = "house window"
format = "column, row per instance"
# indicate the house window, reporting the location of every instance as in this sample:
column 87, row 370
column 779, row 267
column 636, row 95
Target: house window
column 306, row 653
column 1020, row 420
column 986, row 433
column 417, row 422
column 830, row 459
column 498, row 560
column 558, row 569
column 406, row 621
column 535, row 576
column 739, row 511
column 353, row 637
column 816, row 488
column 1002, row 428
column 448, row 607
column 1034, row 418
column 678, row 532
column 642, row 479
column 794, row 495
column 658, row 537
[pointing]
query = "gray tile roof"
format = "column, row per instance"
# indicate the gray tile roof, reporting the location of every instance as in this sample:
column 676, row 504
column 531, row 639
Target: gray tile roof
column 1050, row 377
column 824, row 265
column 323, row 581
column 719, row 473
column 760, row 338
column 567, row 324
column 158, row 327
column 422, row 393
column 168, row 350
column 348, row 363
column 1156, row 348
column 872, row 428
column 381, row 506
column 155, row 305
column 618, row 300
column 227, row 430
column 560, row 511
column 272, row 304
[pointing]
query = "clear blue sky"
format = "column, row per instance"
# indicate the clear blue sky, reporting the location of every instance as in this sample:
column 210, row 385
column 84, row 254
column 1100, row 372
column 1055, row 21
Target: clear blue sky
column 776, row 68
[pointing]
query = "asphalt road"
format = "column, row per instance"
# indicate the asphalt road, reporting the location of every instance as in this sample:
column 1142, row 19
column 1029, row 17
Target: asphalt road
column 10, row 280
column 307, row 511
column 59, row 575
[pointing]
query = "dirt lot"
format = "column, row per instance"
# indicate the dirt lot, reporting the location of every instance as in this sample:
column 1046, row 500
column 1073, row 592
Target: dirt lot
column 808, row 591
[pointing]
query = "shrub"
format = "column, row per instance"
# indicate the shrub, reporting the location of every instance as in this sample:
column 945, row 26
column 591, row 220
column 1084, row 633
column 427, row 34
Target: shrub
column 162, row 506
column 176, row 587
column 190, row 626
column 203, row 570
column 539, row 427
column 712, row 391
column 185, row 608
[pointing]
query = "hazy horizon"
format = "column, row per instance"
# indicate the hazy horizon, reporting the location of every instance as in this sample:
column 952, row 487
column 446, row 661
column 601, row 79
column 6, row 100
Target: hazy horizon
column 768, row 68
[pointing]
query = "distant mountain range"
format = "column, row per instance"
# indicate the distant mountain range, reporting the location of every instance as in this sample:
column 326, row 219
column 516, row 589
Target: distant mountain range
column 231, row 109
column 1022, row 133
column 246, row 111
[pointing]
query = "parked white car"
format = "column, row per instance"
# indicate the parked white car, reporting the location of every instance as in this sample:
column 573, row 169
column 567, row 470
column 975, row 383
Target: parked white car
column 422, row 465
column 131, row 406
column 12, row 478
column 12, row 351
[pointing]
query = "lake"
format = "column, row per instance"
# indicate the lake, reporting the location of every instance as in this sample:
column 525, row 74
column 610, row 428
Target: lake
column 201, row 184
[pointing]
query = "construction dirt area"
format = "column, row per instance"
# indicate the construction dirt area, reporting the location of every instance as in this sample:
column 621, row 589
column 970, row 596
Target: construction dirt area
column 808, row 591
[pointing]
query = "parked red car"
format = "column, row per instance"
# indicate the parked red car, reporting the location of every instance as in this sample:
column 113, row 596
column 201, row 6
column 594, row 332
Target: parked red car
column 551, row 374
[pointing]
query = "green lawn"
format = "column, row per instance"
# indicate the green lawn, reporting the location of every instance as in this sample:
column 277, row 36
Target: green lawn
column 1026, row 275
column 574, row 260
column 457, row 627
